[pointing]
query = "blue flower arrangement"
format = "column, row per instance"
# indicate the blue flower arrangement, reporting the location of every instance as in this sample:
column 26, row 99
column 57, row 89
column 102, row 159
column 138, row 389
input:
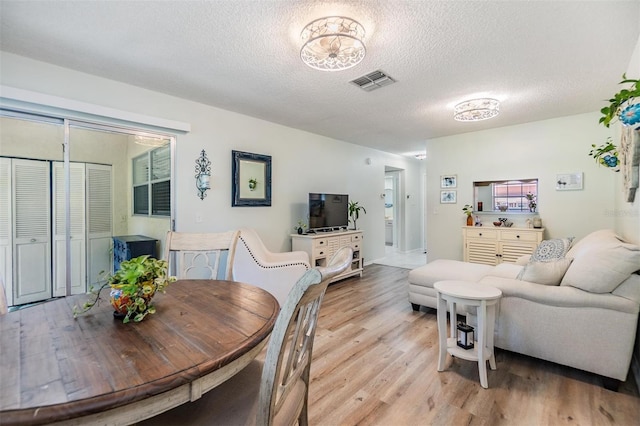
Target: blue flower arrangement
column 606, row 155
column 622, row 105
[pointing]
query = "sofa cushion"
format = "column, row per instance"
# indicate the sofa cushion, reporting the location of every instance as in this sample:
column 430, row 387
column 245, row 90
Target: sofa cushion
column 547, row 273
column 547, row 250
column 601, row 261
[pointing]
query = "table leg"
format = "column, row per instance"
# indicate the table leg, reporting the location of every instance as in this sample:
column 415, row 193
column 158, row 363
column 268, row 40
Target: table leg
column 482, row 330
column 491, row 320
column 442, row 332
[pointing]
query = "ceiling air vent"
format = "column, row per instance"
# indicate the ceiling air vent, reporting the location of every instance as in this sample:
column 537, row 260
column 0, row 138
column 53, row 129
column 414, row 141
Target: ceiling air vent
column 373, row 81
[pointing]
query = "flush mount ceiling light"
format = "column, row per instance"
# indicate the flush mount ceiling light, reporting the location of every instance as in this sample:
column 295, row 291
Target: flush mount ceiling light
column 333, row 43
column 476, row 109
column 150, row 141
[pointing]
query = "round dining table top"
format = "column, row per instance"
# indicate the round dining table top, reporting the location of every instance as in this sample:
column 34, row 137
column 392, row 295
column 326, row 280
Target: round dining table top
column 54, row 367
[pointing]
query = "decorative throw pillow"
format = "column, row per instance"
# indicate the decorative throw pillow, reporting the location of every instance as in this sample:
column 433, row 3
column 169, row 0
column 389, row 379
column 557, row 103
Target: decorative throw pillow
column 602, row 260
column 548, row 250
column 547, row 273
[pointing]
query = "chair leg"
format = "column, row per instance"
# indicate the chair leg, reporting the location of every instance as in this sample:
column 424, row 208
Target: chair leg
column 415, row 307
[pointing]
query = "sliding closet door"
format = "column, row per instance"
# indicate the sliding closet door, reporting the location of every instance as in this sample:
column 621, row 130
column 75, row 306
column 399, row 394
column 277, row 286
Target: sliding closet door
column 77, row 234
column 31, row 231
column 6, row 248
column 99, row 221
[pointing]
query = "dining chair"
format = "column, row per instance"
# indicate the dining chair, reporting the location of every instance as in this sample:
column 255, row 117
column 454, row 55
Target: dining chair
column 200, row 255
column 274, row 391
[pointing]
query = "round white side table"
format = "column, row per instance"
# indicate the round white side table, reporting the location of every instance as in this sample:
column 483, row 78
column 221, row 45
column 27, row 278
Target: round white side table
column 470, row 294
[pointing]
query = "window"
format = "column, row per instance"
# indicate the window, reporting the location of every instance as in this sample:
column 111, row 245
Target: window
column 506, row 195
column 152, row 182
column 513, row 195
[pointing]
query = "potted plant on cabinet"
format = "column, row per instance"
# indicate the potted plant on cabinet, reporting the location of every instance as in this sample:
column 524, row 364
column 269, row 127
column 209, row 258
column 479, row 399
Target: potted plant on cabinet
column 468, row 210
column 132, row 288
column 354, row 212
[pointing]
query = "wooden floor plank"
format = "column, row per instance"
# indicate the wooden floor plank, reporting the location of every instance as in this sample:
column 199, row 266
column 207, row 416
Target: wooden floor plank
column 375, row 363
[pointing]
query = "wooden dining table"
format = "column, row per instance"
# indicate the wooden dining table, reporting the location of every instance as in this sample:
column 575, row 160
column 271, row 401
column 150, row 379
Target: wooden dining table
column 96, row 369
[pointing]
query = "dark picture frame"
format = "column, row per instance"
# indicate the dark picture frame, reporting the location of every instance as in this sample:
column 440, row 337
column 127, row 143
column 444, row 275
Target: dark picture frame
column 251, row 179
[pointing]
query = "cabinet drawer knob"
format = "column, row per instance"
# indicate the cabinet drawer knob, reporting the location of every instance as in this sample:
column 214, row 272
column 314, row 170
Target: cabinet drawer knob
column 321, row 252
column 517, row 236
column 480, row 234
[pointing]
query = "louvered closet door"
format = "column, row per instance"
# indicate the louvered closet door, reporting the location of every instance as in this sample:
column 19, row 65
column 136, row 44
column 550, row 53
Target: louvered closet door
column 78, row 243
column 6, row 267
column 31, row 231
column 99, row 222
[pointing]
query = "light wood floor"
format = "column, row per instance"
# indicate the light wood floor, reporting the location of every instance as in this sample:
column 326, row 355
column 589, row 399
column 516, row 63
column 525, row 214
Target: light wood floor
column 375, row 363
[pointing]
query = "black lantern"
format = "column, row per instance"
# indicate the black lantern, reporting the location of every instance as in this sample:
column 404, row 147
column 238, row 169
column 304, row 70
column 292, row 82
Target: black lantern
column 465, row 336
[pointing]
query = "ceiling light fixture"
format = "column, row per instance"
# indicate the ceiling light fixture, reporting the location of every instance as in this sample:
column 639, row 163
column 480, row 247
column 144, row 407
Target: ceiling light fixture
column 333, row 43
column 476, row 109
column 150, row 141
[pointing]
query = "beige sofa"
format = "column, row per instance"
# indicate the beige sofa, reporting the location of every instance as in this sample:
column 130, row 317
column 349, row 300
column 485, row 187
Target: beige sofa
column 579, row 309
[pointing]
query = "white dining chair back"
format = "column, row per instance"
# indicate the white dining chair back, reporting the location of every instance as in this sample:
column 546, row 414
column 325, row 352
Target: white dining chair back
column 201, row 255
column 273, row 392
column 285, row 376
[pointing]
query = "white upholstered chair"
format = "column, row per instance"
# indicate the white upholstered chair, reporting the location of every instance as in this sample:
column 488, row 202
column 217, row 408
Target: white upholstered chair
column 201, row 255
column 275, row 272
column 274, row 392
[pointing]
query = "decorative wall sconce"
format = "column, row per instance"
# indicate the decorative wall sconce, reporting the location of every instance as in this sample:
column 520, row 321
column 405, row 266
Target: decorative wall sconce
column 203, row 174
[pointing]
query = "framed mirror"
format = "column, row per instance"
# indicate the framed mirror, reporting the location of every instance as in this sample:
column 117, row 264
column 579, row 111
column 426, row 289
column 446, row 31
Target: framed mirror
column 251, row 179
column 506, row 196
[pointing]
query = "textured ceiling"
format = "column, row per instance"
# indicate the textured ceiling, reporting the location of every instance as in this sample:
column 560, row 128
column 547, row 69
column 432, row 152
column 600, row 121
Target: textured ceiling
column 541, row 59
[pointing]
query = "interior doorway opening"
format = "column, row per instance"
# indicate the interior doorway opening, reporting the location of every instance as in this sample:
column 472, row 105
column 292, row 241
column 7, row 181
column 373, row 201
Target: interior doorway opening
column 393, row 208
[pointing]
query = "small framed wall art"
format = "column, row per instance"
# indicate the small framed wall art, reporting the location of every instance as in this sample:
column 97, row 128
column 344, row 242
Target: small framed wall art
column 448, row 197
column 448, row 181
column 569, row 181
column 251, row 184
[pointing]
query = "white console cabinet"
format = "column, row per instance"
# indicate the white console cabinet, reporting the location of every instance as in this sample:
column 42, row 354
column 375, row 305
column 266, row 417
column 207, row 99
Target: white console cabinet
column 496, row 245
column 321, row 247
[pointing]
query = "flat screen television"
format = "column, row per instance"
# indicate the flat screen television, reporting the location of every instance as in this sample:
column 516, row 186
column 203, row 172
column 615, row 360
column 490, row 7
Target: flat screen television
column 328, row 211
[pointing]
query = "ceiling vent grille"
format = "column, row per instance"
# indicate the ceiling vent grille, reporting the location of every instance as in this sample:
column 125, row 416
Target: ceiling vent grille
column 373, row 81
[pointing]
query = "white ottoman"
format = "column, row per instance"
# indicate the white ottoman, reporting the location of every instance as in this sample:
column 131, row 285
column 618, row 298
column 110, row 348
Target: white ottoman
column 422, row 279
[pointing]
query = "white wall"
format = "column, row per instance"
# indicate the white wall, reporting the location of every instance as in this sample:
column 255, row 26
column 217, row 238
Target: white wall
column 302, row 162
column 534, row 150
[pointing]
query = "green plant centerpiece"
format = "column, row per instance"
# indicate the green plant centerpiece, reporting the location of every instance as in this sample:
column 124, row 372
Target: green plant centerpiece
column 132, row 288
column 354, row 212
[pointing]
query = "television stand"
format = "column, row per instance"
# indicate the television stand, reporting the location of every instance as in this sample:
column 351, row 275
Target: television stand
column 321, row 247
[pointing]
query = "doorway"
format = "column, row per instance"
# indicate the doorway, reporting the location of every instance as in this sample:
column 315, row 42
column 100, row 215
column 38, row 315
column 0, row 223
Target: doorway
column 393, row 209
